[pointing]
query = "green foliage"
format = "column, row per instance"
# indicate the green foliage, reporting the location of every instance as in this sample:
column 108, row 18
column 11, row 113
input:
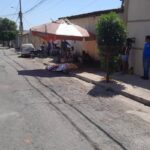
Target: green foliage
column 111, row 36
column 114, row 63
column 111, row 33
column 8, row 29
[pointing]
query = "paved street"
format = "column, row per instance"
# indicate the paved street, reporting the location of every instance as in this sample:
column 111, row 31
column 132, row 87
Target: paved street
column 41, row 110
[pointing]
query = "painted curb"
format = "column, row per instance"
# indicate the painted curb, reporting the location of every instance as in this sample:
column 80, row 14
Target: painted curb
column 126, row 94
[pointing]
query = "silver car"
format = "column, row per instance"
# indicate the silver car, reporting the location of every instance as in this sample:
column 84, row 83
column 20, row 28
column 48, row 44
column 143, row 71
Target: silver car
column 27, row 49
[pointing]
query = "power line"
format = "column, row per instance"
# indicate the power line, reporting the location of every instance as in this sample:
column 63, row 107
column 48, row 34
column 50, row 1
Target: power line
column 13, row 14
column 27, row 22
column 7, row 15
column 8, row 4
column 35, row 6
column 28, row 11
column 16, row 10
column 17, row 19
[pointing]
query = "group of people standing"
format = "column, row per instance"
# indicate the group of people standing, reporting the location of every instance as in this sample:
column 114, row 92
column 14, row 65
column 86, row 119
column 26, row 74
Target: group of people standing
column 46, row 48
column 63, row 48
column 146, row 57
column 125, row 55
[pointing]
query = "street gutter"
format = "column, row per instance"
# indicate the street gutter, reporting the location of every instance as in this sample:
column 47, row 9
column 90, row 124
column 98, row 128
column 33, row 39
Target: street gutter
column 106, row 86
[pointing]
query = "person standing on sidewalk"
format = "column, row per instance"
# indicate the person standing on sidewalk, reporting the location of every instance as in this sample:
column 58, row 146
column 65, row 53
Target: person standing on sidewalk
column 146, row 58
column 124, row 59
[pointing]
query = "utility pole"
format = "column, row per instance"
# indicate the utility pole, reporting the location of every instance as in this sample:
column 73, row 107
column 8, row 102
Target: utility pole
column 122, row 3
column 21, row 24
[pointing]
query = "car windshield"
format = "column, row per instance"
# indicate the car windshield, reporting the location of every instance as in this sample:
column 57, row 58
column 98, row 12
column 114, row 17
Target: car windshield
column 27, row 46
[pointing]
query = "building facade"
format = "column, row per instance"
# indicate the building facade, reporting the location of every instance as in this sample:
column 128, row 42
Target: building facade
column 136, row 15
column 88, row 21
column 137, row 18
column 27, row 37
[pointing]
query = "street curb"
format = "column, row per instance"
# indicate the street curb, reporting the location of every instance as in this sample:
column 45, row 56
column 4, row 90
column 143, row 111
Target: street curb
column 126, row 94
column 123, row 93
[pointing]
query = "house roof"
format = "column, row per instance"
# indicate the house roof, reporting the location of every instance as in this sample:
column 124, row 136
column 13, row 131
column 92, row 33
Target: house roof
column 93, row 14
column 25, row 32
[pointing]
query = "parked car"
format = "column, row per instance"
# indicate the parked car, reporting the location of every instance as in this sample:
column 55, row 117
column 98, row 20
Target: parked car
column 27, row 49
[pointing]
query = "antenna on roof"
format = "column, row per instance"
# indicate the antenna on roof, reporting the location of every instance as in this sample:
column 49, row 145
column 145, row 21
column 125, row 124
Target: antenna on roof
column 67, row 20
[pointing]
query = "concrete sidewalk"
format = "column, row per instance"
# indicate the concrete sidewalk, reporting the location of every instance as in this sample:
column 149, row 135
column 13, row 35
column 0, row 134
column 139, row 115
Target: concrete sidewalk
column 130, row 86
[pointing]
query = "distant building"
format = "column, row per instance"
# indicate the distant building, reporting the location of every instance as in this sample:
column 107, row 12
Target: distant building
column 27, row 37
column 88, row 21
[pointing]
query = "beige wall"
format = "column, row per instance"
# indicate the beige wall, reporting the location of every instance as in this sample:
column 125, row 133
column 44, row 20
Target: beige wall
column 139, row 10
column 138, row 22
column 29, row 38
column 36, row 41
column 89, row 46
column 25, row 38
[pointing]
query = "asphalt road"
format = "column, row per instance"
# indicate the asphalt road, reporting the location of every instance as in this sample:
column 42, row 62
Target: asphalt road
column 41, row 110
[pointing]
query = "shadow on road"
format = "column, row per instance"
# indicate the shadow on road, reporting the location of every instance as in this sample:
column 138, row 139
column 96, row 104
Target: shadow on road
column 104, row 89
column 133, row 80
column 41, row 73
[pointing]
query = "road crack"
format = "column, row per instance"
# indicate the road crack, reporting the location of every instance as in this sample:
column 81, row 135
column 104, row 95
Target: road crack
column 93, row 144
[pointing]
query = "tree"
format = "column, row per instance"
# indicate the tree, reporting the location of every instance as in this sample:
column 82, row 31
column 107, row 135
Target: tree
column 8, row 30
column 111, row 35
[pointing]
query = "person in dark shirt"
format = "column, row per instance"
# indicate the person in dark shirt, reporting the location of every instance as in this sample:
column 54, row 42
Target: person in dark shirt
column 49, row 48
column 146, row 58
column 124, row 59
column 64, row 47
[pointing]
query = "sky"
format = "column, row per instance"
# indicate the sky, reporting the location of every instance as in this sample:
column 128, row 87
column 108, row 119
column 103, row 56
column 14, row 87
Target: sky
column 52, row 9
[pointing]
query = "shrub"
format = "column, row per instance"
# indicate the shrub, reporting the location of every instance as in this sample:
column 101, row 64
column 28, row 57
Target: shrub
column 111, row 36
